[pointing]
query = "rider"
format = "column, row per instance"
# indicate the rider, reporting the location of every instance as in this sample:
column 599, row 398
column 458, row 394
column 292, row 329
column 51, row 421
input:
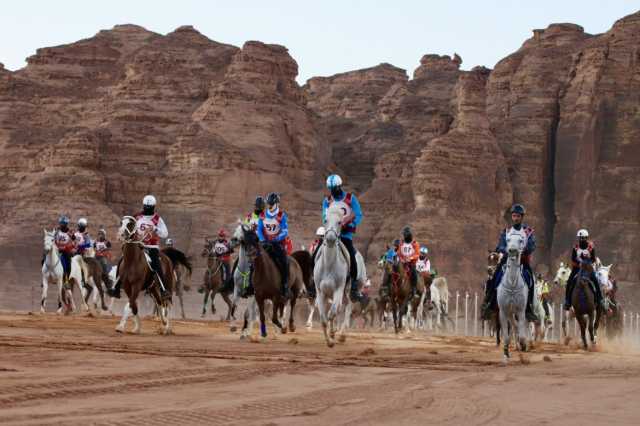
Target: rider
column 81, row 237
column 517, row 215
column 545, row 294
column 222, row 250
column 315, row 245
column 258, row 208
column 350, row 205
column 273, row 231
column 409, row 254
column 584, row 250
column 423, row 265
column 152, row 228
column 102, row 246
column 64, row 242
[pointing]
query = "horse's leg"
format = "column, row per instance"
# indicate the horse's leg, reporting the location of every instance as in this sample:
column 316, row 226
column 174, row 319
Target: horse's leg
column 591, row 329
column 342, row 337
column 275, row 317
column 321, row 302
column 506, row 337
column 123, row 321
column 45, row 287
column 226, row 299
column 214, row 291
column 594, row 335
column 263, row 325
column 583, row 331
column 60, row 280
column 292, row 305
column 394, row 311
column 204, row 302
column 523, row 329
column 135, row 311
column 312, row 307
column 181, row 300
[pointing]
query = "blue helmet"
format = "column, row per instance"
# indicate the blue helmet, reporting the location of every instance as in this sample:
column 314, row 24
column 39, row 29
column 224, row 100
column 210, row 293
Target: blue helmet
column 63, row 220
column 518, row 208
column 334, row 181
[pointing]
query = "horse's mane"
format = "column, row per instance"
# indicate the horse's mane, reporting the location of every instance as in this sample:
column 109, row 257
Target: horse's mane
column 335, row 211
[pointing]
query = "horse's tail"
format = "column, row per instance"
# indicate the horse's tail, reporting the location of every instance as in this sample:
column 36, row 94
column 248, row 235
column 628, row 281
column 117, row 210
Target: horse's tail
column 305, row 261
column 178, row 258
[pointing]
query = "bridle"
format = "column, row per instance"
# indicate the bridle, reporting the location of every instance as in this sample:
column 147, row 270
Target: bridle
column 129, row 236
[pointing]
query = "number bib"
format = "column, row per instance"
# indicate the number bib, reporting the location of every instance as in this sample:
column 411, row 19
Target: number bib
column 219, row 248
column 271, row 226
column 407, row 250
column 423, row 266
column 101, row 246
column 62, row 238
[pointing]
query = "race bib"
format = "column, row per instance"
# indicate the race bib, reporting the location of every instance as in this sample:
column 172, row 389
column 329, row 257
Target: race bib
column 101, row 245
column 407, row 250
column 63, row 238
column 271, row 226
column 219, row 248
column 583, row 253
column 421, row 266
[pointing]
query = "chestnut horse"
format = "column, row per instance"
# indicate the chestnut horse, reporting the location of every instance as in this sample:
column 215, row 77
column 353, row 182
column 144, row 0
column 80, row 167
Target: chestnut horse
column 213, row 283
column 395, row 275
column 136, row 275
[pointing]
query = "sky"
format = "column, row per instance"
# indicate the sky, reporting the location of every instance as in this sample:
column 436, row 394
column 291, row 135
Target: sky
column 324, row 37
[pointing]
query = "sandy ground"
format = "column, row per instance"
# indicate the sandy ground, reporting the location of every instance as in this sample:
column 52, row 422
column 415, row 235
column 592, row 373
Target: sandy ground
column 78, row 370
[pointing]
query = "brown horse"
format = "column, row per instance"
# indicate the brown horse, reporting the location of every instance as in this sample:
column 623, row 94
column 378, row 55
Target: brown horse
column 267, row 281
column 583, row 303
column 182, row 268
column 213, row 283
column 395, row 276
column 95, row 273
column 493, row 260
column 135, row 275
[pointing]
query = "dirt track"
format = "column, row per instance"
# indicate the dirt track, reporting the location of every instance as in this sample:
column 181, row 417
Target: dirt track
column 77, row 370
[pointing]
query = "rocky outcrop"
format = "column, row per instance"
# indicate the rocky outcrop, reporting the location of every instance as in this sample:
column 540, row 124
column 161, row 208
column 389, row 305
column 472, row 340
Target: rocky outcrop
column 90, row 127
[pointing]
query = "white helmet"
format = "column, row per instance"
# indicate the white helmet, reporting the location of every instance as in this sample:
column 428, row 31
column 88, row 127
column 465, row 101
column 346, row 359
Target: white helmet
column 82, row 221
column 320, row 231
column 583, row 233
column 149, row 200
column 334, row 181
column 168, row 242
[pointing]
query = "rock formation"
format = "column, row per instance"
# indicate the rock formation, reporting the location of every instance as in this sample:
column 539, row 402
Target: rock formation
column 90, row 127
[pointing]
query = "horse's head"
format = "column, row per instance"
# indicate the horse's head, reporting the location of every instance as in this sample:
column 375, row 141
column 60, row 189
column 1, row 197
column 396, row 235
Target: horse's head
column 208, row 246
column 515, row 244
column 334, row 218
column 127, row 231
column 602, row 273
column 48, row 240
column 493, row 259
column 562, row 275
column 247, row 238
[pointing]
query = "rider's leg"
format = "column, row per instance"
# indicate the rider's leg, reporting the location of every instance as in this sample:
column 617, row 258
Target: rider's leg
column 154, row 254
column 283, row 263
column 115, row 290
column 597, row 290
column 66, row 265
column 545, row 306
column 571, row 282
column 414, row 279
column 529, row 281
column 490, row 290
column 353, row 268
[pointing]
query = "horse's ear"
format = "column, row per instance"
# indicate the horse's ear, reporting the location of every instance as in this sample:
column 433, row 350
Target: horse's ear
column 609, row 267
column 45, row 231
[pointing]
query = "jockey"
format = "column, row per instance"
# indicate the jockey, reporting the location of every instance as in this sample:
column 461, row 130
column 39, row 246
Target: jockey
column 152, row 228
column 352, row 218
column 81, row 237
column 315, row 245
column 273, row 232
column 102, row 247
column 409, row 254
column 584, row 250
column 517, row 215
column 253, row 218
column 423, row 265
column 64, row 242
column 222, row 250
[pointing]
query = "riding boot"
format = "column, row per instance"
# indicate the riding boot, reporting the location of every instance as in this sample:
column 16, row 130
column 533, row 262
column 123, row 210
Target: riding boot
column 164, row 292
column 529, row 312
column 567, row 297
column 286, row 292
column 114, row 291
column 356, row 295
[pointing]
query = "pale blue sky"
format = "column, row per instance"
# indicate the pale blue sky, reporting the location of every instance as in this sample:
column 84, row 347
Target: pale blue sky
column 324, row 37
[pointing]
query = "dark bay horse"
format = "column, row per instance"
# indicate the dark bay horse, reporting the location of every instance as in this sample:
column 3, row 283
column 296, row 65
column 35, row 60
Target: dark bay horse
column 584, row 306
column 267, row 281
column 395, row 275
column 181, row 264
column 213, row 283
column 135, row 275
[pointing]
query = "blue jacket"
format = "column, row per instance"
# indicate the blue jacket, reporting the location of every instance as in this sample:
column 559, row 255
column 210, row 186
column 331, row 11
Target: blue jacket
column 284, row 227
column 346, row 232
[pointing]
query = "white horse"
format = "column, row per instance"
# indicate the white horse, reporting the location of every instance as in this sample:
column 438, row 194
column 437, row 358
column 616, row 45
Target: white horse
column 562, row 275
column 78, row 271
column 330, row 275
column 241, row 277
column 440, row 302
column 52, row 270
column 361, row 277
column 512, row 296
column 540, row 327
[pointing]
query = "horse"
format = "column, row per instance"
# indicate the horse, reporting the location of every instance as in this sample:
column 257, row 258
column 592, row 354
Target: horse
column 562, row 275
column 330, row 275
column 266, row 281
column 583, row 303
column 541, row 326
column 399, row 282
column 493, row 260
column 213, row 283
column 135, row 273
column 613, row 318
column 439, row 290
column 182, row 268
column 512, row 296
column 52, row 270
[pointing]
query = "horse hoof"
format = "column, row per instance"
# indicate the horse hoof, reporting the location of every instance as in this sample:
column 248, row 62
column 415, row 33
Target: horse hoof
column 342, row 338
column 284, row 330
column 233, row 329
column 292, row 328
column 330, row 344
column 120, row 329
column 243, row 337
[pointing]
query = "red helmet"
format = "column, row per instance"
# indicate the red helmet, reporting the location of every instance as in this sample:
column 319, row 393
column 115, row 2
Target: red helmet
column 222, row 233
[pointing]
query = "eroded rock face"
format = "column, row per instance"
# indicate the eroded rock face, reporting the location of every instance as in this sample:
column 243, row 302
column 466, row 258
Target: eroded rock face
column 89, row 128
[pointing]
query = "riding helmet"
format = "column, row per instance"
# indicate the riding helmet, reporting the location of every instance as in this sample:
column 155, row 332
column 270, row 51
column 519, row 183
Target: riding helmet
column 583, row 233
column 273, row 199
column 334, row 181
column 518, row 208
column 63, row 220
column 259, row 204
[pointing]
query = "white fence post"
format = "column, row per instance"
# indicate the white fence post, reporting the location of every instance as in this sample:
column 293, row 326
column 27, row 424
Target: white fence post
column 475, row 316
column 457, row 299
column 466, row 306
